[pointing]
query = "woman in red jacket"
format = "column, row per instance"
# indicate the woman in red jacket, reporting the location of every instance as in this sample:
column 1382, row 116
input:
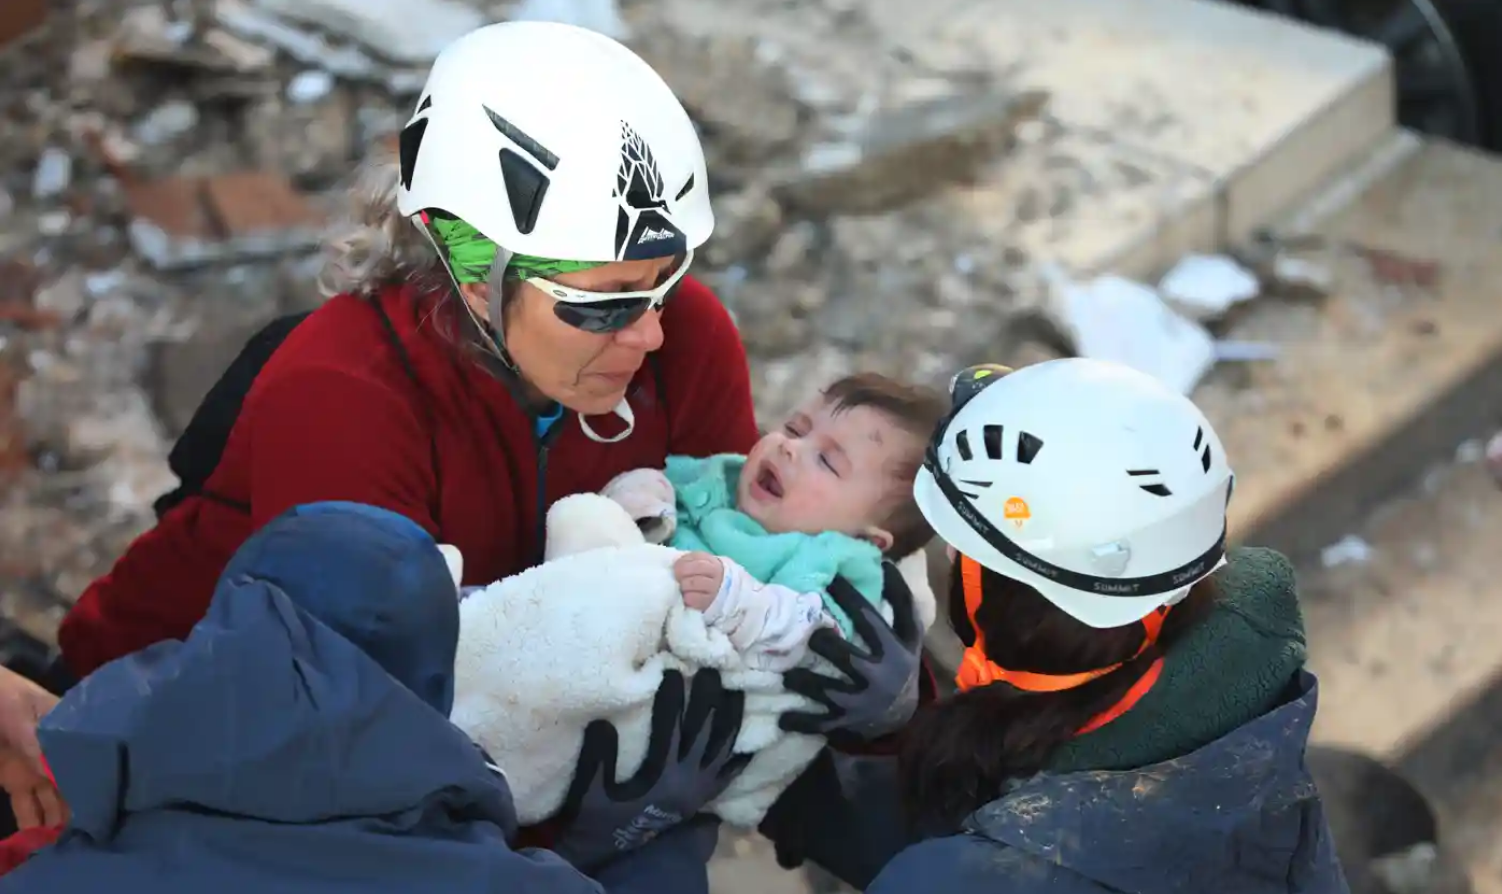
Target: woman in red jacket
column 509, row 321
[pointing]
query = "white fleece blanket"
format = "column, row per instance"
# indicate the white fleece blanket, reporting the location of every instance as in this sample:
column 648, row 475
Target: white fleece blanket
column 587, row 635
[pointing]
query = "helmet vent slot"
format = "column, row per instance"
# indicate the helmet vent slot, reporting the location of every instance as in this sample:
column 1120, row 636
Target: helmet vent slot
column 1157, row 489
column 525, row 188
column 408, row 145
column 992, row 435
column 521, row 139
column 1205, row 458
column 1028, row 446
column 962, row 445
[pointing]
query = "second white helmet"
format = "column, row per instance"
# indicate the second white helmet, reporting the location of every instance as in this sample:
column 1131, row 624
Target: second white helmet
column 1091, row 482
column 558, row 142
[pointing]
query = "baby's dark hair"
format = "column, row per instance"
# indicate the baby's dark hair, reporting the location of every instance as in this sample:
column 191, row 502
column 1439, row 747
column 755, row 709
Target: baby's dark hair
column 915, row 409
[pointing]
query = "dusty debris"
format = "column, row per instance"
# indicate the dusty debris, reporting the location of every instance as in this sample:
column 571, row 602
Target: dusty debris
column 387, row 42
column 1398, row 269
column 27, row 316
column 148, row 34
column 19, row 18
column 907, row 154
column 409, row 32
column 166, row 123
column 742, row 104
column 1112, row 318
column 309, row 86
column 747, row 223
column 1351, row 549
column 1204, row 287
column 1494, row 457
column 13, row 457
column 184, row 222
column 54, row 173
column 18, row 281
column 202, row 137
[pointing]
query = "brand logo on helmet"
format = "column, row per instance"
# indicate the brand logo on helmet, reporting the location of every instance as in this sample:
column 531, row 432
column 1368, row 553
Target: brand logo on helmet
column 1017, row 512
column 643, row 228
column 650, row 235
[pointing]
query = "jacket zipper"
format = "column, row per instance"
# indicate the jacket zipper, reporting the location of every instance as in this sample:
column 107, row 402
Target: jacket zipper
column 543, row 443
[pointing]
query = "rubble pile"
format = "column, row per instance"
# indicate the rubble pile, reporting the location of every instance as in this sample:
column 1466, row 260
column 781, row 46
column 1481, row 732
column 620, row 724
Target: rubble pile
column 167, row 168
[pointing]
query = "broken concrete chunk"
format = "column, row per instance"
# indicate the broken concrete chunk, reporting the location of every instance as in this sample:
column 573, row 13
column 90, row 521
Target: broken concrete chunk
column 309, row 86
column 147, row 34
column 64, row 297
column 314, row 49
column 166, row 123
column 733, row 95
column 747, row 223
column 1204, row 287
column 54, row 173
column 311, row 143
column 1493, row 457
column 183, row 222
column 242, row 54
column 262, row 209
column 907, row 154
column 1116, row 319
column 1302, row 276
column 408, row 32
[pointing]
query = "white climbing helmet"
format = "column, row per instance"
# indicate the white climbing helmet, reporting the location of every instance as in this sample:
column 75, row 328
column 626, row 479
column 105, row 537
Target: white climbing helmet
column 559, row 142
column 1089, row 481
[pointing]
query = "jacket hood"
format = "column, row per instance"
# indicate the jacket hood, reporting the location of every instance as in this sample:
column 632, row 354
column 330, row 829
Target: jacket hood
column 316, row 687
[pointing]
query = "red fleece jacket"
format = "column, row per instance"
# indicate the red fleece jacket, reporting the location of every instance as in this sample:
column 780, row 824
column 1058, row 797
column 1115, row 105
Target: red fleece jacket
column 334, row 415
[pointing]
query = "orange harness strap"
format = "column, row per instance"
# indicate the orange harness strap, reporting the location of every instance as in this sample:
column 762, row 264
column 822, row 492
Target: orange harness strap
column 978, row 670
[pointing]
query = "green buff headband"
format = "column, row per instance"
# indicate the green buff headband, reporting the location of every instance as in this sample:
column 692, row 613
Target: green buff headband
column 471, row 255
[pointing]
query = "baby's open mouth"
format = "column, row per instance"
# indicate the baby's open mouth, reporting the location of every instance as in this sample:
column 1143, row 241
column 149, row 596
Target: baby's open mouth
column 767, row 480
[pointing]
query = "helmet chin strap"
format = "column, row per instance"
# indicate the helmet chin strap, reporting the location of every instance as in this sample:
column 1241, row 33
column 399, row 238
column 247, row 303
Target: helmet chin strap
column 623, row 410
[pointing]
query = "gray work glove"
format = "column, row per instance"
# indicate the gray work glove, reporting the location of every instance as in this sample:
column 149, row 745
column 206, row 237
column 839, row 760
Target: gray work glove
column 877, row 690
column 689, row 763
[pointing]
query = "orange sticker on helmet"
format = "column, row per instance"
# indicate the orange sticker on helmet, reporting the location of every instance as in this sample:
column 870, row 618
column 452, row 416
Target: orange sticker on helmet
column 1016, row 511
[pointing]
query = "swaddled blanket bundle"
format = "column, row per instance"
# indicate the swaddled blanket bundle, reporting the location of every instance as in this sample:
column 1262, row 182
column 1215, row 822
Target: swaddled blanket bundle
column 586, row 636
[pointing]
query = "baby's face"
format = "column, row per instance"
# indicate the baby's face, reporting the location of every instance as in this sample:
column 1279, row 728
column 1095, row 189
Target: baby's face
column 827, row 470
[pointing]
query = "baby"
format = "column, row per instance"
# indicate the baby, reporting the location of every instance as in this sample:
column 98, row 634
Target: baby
column 828, row 495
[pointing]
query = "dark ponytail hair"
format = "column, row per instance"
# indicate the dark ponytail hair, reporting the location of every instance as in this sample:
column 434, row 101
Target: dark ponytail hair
column 958, row 754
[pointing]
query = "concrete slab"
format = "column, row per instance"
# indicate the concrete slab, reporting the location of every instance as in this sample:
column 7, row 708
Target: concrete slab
column 1212, row 85
column 1247, row 111
column 1380, row 379
column 1090, row 205
column 1405, row 648
column 1403, row 639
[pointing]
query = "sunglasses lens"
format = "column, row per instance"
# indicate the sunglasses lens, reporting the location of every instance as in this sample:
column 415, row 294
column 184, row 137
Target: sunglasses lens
column 602, row 316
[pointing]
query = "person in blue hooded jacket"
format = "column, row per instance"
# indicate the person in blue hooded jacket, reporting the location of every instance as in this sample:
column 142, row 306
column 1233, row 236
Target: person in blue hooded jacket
column 297, row 741
column 1132, row 710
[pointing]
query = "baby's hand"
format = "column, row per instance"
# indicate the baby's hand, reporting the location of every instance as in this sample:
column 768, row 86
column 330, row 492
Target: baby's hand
column 699, row 577
column 648, row 497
